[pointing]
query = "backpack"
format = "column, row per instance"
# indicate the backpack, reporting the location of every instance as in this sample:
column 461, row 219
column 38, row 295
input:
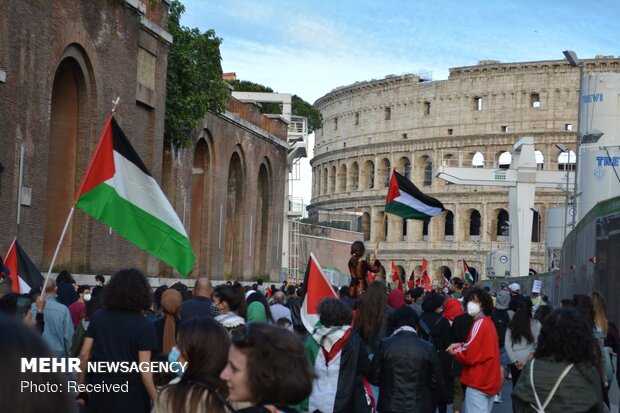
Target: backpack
column 501, row 319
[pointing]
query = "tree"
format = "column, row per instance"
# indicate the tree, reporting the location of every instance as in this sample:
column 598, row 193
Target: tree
column 299, row 107
column 194, row 84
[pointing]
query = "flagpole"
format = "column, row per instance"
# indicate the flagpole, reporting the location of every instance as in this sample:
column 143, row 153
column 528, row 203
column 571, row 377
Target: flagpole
column 62, row 236
column 64, row 230
column 380, row 235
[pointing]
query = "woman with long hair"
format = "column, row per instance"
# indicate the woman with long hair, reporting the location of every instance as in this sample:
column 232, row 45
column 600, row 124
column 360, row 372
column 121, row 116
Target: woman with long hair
column 370, row 320
column 120, row 332
column 521, row 338
column 563, row 376
column 202, row 343
column 268, row 368
column 229, row 300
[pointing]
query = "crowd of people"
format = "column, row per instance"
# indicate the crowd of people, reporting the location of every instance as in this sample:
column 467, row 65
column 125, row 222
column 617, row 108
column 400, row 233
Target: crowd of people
column 375, row 348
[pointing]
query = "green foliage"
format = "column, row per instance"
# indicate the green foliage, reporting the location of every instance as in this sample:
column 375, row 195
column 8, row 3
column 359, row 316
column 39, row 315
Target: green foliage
column 299, row 106
column 194, row 83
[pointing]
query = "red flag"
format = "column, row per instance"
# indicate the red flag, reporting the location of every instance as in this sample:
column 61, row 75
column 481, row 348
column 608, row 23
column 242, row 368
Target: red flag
column 395, row 272
column 370, row 276
column 426, row 280
column 24, row 274
column 316, row 288
column 411, row 280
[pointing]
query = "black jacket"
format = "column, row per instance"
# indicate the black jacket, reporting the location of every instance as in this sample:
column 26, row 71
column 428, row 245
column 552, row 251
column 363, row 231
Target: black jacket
column 407, row 369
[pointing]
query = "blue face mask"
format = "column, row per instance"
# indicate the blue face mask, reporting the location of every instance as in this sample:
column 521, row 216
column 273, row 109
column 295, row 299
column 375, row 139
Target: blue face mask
column 173, row 357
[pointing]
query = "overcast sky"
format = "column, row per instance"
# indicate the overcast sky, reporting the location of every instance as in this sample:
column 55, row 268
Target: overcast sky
column 310, row 47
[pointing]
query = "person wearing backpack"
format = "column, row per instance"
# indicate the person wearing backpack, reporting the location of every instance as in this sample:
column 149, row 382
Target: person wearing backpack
column 563, row 376
column 436, row 329
column 501, row 316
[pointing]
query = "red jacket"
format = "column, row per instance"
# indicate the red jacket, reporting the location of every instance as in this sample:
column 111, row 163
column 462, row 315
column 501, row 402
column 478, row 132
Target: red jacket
column 480, row 358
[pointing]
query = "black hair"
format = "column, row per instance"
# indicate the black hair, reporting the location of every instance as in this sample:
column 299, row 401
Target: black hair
column 128, row 290
column 81, row 289
column 334, row 313
column 566, row 335
column 486, row 301
column 233, row 296
column 64, row 277
column 157, row 296
column 457, row 282
column 567, row 302
column 542, row 312
column 521, row 323
column 417, row 292
column 404, row 316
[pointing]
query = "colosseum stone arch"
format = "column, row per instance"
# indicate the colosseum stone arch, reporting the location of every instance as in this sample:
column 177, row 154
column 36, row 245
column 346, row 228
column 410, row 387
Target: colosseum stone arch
column 468, row 120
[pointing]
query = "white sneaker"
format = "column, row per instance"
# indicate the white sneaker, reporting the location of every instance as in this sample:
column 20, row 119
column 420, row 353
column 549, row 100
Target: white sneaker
column 498, row 398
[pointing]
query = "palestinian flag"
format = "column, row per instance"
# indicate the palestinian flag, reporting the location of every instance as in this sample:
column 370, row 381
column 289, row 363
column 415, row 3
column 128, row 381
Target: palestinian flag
column 468, row 274
column 407, row 201
column 119, row 191
column 316, row 288
column 23, row 273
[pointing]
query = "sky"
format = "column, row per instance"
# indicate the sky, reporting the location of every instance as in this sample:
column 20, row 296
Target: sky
column 311, row 47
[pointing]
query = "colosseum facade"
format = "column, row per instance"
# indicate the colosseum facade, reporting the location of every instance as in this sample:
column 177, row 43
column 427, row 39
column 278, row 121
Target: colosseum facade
column 472, row 119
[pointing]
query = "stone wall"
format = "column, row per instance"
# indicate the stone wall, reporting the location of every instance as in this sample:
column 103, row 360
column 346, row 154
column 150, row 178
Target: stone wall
column 412, row 125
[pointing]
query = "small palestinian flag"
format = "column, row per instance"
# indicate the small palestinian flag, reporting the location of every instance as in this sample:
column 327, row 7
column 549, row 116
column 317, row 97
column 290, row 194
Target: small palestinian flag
column 407, row 201
column 119, row 191
column 23, row 273
column 316, row 288
column 468, row 274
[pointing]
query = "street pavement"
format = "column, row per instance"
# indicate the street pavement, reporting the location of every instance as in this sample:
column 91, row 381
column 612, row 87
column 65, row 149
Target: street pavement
column 506, row 405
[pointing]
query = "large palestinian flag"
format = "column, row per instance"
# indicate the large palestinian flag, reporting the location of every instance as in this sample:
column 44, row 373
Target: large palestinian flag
column 23, row 273
column 119, row 191
column 407, row 201
column 316, row 288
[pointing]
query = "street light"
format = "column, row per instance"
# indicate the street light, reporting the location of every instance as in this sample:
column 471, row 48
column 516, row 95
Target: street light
column 537, row 229
column 574, row 61
column 567, row 152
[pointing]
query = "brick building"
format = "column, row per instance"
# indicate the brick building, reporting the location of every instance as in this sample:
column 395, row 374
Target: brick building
column 229, row 191
column 61, row 65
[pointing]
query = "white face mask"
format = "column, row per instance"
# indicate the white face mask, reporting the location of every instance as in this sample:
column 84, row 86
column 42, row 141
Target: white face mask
column 473, row 309
column 87, row 297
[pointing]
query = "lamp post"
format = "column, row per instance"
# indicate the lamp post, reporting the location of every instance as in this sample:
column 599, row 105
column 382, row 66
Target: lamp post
column 567, row 152
column 538, row 230
column 574, row 61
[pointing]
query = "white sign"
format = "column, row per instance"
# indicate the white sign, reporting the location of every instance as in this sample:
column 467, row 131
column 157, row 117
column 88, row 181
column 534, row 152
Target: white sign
column 537, row 286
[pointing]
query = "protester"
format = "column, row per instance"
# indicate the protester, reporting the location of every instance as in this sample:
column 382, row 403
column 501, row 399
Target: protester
column 345, row 295
column 200, row 304
column 203, row 343
column 479, row 355
column 260, row 361
column 501, row 316
column 452, row 308
column 563, row 376
column 79, row 335
column 405, row 367
column 99, row 284
column 457, row 287
column 165, row 327
column 521, row 338
column 258, row 308
column 66, row 293
column 359, row 268
column 293, row 302
column 120, row 332
column 228, row 299
column 19, row 342
column 371, row 316
column 279, row 310
column 58, row 330
column 459, row 331
column 396, row 299
column 436, row 329
column 515, row 296
column 77, row 309
column 339, row 359
column 416, row 299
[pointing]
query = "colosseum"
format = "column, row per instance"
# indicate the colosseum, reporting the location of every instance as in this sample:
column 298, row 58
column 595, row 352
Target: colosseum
column 472, row 119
